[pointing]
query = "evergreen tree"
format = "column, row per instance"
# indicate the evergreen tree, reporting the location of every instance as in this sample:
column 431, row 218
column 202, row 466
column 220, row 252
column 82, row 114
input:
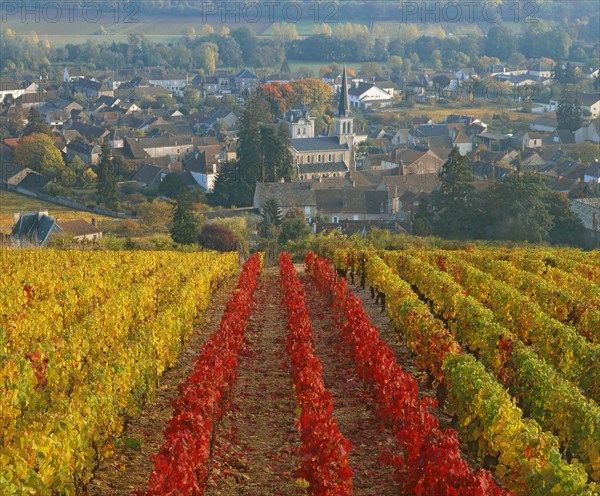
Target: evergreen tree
column 249, row 150
column 284, row 165
column 107, row 179
column 568, row 114
column 185, row 227
column 454, row 202
column 232, row 187
column 272, row 218
column 517, row 209
column 36, row 124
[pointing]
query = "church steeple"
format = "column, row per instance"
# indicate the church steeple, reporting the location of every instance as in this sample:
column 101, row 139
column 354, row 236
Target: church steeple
column 344, row 107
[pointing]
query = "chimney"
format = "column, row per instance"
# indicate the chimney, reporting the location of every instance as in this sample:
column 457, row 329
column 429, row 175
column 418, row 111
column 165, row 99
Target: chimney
column 94, row 223
column 16, row 218
column 353, row 183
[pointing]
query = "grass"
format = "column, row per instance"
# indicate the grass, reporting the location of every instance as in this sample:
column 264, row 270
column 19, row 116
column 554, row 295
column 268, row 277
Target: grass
column 11, row 203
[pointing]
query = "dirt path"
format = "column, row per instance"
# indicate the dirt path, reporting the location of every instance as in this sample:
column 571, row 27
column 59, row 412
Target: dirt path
column 130, row 468
column 256, row 452
column 353, row 406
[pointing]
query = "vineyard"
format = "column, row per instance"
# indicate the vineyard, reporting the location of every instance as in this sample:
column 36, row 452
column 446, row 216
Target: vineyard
column 415, row 372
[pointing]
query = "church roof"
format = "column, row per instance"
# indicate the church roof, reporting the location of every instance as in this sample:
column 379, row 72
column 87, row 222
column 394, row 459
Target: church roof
column 319, row 144
column 344, row 107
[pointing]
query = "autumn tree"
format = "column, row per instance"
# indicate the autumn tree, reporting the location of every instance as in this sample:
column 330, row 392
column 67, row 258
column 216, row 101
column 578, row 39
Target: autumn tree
column 37, row 151
column 206, row 56
column 312, row 92
column 277, row 95
column 156, row 216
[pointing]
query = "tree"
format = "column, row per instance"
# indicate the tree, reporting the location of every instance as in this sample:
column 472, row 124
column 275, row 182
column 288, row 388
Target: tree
column 569, row 114
column 206, row 56
column 586, row 152
column 293, row 229
column 567, row 228
column 218, row 237
column 312, row 92
column 564, row 74
column 185, row 225
column 234, row 185
column 517, row 209
column 272, row 217
column 107, row 179
column 172, row 185
column 37, row 151
column 284, row 160
column 455, row 200
column 36, row 124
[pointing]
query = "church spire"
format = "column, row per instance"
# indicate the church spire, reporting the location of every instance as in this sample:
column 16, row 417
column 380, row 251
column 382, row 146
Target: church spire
column 344, row 107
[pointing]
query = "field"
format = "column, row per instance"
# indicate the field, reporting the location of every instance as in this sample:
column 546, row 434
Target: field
column 11, row 203
column 479, row 377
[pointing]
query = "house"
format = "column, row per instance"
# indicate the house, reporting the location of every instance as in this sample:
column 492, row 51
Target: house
column 149, row 176
column 367, row 95
column 544, row 124
column 246, row 80
column 588, row 211
column 88, row 152
column 414, row 161
column 92, row 133
column 288, row 196
column 91, row 89
column 531, row 139
column 173, row 82
column 563, row 137
column 166, row 145
column 404, row 194
column 540, row 70
column 592, row 174
column 204, row 164
column 461, row 141
column 402, row 137
column 36, row 229
column 227, row 118
column 351, row 204
column 300, row 123
column 589, row 132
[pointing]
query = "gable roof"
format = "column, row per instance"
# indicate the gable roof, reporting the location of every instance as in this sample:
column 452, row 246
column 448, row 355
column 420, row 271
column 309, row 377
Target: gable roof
column 287, row 195
column 246, row 74
column 587, row 209
column 78, row 227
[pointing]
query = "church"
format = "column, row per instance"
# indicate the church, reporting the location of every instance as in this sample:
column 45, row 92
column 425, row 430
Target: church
column 324, row 156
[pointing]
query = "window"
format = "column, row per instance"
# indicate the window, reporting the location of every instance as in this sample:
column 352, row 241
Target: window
column 335, row 219
column 319, row 158
column 308, row 159
column 330, row 157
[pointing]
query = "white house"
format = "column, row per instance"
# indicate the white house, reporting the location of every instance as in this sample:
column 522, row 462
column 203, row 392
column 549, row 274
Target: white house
column 366, row 95
column 531, row 140
column 461, row 141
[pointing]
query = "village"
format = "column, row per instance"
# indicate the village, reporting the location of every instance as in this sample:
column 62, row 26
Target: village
column 346, row 176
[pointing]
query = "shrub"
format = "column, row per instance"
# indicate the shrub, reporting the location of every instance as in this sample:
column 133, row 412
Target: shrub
column 219, row 238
